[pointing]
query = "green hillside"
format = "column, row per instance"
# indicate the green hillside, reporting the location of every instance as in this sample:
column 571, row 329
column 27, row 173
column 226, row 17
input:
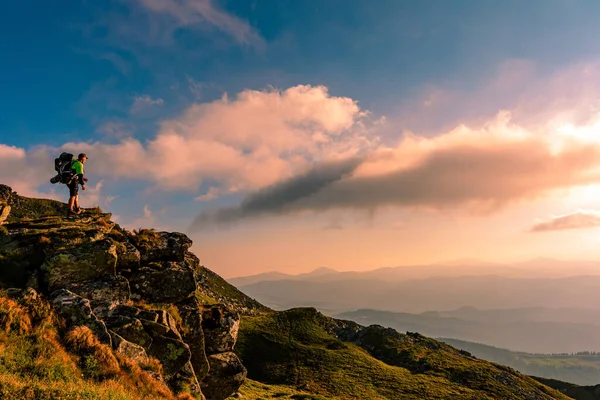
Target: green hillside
column 304, row 349
column 580, row 368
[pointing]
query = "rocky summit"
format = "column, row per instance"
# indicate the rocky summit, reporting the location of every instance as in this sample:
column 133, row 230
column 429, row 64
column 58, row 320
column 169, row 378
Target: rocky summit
column 143, row 293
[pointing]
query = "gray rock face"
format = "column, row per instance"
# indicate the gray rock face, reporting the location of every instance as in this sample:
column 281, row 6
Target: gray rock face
column 91, row 261
column 220, row 326
column 163, row 246
column 77, row 311
column 163, row 283
column 130, row 350
column 104, row 295
column 225, row 376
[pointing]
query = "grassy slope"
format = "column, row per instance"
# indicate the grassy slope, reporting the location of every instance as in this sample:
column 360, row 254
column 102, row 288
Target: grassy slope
column 36, row 362
column 582, row 369
column 292, row 348
column 257, row 391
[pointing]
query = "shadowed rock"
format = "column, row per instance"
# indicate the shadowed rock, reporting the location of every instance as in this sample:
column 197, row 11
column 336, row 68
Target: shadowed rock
column 163, row 283
column 225, row 376
column 220, row 325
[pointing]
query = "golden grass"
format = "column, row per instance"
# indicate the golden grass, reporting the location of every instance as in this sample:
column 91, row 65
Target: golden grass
column 96, row 359
column 37, row 363
column 13, row 317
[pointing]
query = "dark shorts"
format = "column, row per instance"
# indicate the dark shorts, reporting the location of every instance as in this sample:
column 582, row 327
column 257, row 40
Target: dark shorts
column 73, row 188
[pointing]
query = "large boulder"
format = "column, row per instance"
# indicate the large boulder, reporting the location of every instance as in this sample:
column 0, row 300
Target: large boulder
column 77, row 311
column 90, row 261
column 173, row 354
column 161, row 246
column 225, row 376
column 220, row 325
column 165, row 282
column 104, row 295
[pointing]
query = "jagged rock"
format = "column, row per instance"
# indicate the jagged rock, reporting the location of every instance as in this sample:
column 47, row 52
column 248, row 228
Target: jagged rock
column 95, row 260
column 161, row 246
column 220, row 325
column 77, row 311
column 225, row 376
column 186, row 381
column 191, row 326
column 172, row 353
column 128, row 256
column 131, row 329
column 105, row 295
column 128, row 349
column 173, row 283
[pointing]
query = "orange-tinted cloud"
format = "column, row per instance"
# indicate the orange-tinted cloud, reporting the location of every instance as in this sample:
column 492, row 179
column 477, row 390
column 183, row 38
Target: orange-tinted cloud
column 578, row 220
column 480, row 169
column 244, row 143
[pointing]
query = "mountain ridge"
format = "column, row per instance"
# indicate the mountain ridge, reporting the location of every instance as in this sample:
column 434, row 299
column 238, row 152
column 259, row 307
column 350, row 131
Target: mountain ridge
column 133, row 297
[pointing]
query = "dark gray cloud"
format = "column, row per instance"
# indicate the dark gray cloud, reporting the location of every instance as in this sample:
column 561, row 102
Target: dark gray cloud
column 280, row 198
column 484, row 177
column 578, row 220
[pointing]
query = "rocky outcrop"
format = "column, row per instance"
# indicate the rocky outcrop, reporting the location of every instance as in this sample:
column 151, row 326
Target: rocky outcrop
column 137, row 291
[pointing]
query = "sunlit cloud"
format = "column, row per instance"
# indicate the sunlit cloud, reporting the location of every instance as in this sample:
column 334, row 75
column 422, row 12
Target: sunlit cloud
column 578, row 220
column 480, row 169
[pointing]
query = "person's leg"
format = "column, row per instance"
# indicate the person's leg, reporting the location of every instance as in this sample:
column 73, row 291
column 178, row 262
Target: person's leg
column 73, row 186
column 76, row 208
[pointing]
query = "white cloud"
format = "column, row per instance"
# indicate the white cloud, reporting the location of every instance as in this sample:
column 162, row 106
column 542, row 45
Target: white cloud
column 189, row 12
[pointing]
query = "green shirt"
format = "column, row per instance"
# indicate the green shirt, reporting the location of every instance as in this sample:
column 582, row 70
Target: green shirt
column 77, row 167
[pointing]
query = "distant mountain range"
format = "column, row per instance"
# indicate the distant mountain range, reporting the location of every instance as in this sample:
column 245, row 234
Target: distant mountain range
column 333, row 296
column 535, row 268
column 544, row 306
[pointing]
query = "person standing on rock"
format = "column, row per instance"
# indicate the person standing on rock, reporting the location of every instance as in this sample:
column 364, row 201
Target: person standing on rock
column 78, row 178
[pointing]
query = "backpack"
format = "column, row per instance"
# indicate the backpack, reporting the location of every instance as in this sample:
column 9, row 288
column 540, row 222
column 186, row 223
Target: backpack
column 62, row 165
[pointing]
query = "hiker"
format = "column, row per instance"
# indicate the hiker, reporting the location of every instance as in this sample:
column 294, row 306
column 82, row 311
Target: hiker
column 77, row 178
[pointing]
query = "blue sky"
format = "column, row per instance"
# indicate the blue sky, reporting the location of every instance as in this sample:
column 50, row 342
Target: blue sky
column 91, row 75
